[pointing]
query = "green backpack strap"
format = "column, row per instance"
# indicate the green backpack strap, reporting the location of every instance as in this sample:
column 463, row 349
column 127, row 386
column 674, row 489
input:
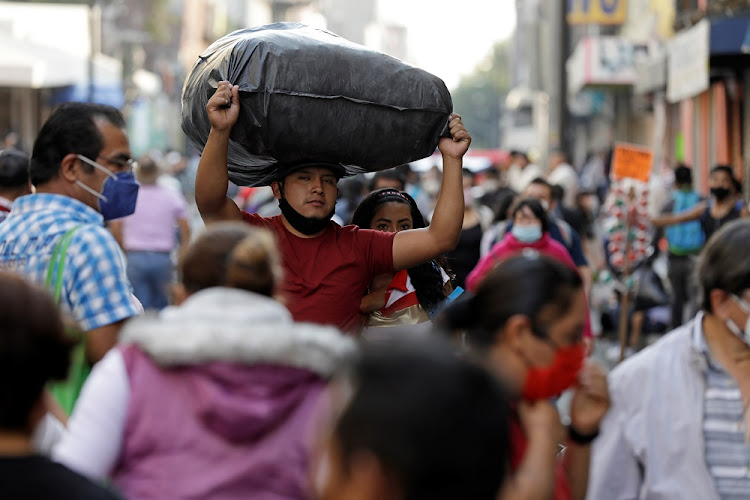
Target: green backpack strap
column 57, row 264
column 66, row 392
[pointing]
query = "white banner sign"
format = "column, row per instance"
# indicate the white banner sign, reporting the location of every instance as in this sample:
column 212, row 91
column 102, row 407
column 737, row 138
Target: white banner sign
column 687, row 66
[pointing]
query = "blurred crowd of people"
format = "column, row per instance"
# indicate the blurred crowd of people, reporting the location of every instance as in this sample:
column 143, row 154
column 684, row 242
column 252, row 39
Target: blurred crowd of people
column 396, row 335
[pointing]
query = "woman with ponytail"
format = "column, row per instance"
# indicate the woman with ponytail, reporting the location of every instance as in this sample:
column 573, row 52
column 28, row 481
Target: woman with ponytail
column 216, row 397
column 410, row 297
column 527, row 318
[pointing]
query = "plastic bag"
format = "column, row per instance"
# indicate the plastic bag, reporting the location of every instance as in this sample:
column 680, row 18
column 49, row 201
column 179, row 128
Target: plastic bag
column 649, row 290
column 307, row 95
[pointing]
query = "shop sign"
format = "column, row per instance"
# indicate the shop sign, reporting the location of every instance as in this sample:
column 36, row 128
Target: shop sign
column 596, row 11
column 687, row 62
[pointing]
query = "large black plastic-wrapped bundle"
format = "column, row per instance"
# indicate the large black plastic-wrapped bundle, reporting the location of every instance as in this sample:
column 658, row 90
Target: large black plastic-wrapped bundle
column 307, row 95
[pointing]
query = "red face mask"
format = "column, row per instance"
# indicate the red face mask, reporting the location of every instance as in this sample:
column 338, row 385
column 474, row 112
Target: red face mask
column 552, row 380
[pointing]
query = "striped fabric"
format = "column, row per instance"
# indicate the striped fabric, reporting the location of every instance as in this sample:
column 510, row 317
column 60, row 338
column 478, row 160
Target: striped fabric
column 727, row 453
column 96, row 290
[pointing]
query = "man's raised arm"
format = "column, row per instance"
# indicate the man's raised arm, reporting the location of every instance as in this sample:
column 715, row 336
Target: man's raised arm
column 416, row 246
column 212, row 180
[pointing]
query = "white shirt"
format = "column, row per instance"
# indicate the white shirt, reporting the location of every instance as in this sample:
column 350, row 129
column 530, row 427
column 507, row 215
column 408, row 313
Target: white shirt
column 651, row 442
column 565, row 176
column 93, row 441
column 520, row 178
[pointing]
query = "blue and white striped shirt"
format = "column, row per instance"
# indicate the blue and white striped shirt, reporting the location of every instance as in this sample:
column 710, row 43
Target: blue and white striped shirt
column 96, row 290
column 727, row 453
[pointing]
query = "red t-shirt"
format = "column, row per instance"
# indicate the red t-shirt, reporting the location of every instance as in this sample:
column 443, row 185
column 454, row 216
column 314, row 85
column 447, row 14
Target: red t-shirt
column 518, row 444
column 326, row 277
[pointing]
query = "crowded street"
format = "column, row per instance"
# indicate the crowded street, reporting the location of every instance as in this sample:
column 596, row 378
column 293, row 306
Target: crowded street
column 375, row 250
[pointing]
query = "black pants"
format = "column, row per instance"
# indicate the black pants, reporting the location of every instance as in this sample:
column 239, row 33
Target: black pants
column 681, row 272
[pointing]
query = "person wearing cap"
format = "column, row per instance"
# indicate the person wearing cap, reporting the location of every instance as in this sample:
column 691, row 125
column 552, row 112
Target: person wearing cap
column 679, row 422
column 327, row 267
column 14, row 178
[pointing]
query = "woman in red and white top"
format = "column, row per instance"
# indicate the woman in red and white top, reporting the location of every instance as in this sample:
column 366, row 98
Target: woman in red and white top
column 409, row 297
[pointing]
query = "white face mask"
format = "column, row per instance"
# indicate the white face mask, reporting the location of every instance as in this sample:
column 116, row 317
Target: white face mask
column 99, row 167
column 744, row 335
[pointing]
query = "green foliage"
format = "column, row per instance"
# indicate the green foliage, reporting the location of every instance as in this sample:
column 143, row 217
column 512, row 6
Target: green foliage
column 159, row 23
column 479, row 97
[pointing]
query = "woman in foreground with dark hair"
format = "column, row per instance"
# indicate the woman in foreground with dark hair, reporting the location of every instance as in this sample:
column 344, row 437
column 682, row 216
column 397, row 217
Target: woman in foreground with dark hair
column 409, row 297
column 527, row 318
column 413, row 421
column 34, row 349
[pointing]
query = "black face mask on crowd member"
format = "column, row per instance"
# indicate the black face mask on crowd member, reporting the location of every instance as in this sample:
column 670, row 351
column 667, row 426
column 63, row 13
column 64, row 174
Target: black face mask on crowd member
column 305, row 225
column 720, row 193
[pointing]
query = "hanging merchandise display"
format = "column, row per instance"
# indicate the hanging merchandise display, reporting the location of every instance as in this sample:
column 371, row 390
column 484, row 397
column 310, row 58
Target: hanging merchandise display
column 627, row 224
column 628, row 230
column 309, row 96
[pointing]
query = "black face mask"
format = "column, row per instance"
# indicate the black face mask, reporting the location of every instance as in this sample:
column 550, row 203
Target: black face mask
column 305, row 225
column 720, row 193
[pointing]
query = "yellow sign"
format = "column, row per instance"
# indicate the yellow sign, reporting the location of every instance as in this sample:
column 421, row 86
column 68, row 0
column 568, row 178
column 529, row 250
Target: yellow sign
column 597, row 11
column 632, row 161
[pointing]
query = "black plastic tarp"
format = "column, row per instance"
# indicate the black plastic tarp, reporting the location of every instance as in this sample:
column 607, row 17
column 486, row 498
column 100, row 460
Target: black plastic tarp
column 307, row 95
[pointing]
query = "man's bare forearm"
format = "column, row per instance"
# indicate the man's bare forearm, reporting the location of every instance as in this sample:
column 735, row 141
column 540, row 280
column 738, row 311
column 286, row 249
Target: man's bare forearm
column 212, row 179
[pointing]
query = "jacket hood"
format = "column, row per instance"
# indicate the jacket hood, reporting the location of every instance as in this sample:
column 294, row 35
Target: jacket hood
column 248, row 366
column 226, row 324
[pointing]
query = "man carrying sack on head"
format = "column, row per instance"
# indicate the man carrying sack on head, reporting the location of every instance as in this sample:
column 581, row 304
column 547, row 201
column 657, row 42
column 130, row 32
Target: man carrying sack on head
column 327, row 267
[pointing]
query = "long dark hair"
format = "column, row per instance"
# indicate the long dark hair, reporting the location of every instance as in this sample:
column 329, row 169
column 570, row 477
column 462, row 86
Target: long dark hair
column 33, row 349
column 536, row 208
column 426, row 278
column 528, row 284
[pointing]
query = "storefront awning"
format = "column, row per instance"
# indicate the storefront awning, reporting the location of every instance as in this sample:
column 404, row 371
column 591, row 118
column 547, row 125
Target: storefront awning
column 730, row 36
column 27, row 65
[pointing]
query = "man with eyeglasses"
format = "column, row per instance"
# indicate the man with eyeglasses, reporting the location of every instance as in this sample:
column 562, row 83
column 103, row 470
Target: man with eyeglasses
column 82, row 171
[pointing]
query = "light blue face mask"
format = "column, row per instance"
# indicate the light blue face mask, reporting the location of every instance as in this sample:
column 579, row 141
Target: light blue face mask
column 119, row 192
column 527, row 234
column 743, row 334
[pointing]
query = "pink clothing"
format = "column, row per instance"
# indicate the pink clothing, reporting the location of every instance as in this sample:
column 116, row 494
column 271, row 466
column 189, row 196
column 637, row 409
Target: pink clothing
column 152, row 226
column 510, row 246
column 215, row 399
column 217, row 430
